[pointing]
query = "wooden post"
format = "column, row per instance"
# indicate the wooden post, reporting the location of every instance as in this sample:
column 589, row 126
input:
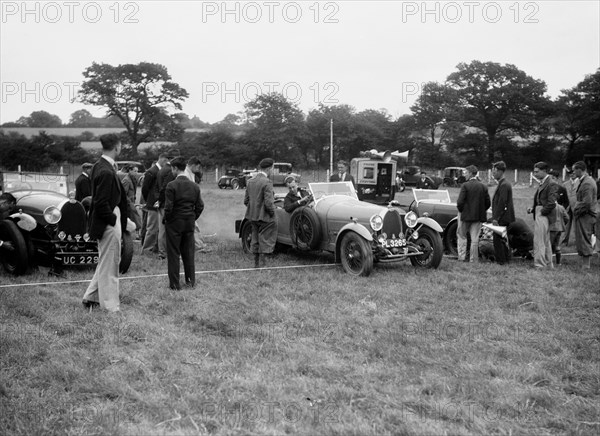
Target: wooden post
column 516, row 176
column 216, row 174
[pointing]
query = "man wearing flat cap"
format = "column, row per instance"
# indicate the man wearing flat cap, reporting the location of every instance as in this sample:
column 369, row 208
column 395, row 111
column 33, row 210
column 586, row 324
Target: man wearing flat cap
column 83, row 184
column 260, row 211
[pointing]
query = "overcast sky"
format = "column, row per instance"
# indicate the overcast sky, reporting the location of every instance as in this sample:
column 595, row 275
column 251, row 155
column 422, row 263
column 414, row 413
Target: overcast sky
column 371, row 55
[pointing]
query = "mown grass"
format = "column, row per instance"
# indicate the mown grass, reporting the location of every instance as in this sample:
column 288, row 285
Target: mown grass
column 465, row 349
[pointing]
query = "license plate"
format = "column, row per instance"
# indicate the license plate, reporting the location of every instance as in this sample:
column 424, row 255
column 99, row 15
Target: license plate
column 394, row 243
column 79, row 259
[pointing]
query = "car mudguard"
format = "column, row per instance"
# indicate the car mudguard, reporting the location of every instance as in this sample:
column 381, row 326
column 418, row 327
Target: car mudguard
column 24, row 221
column 430, row 222
column 355, row 227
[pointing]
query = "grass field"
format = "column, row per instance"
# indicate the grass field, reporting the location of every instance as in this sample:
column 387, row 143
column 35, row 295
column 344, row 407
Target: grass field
column 467, row 349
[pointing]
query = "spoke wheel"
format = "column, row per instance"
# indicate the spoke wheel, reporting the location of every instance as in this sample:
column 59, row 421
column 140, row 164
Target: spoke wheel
column 246, row 237
column 14, row 259
column 235, row 184
column 126, row 252
column 356, row 255
column 430, row 243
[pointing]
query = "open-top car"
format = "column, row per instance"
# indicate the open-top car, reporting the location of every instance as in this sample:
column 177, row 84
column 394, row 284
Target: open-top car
column 48, row 227
column 358, row 233
column 437, row 205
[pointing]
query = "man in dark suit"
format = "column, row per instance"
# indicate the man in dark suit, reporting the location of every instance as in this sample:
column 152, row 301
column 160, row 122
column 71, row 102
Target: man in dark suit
column 183, row 206
column 150, row 191
column 83, row 184
column 108, row 219
column 424, row 182
column 473, row 202
column 544, row 202
column 295, row 197
column 503, row 211
column 342, row 175
column 260, row 211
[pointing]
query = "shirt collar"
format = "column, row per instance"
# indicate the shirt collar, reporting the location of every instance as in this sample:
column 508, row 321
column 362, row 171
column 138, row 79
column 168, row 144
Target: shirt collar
column 110, row 160
column 263, row 173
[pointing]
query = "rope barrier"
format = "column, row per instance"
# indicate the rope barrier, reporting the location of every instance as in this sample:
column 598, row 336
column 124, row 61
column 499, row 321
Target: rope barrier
column 72, row 282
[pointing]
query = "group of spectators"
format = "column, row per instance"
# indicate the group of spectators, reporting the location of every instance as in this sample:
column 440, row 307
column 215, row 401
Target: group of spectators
column 168, row 227
column 556, row 209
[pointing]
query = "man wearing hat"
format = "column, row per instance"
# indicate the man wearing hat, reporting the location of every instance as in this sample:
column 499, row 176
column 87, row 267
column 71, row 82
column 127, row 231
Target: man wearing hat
column 260, row 211
column 584, row 213
column 296, row 197
column 473, row 202
column 83, row 184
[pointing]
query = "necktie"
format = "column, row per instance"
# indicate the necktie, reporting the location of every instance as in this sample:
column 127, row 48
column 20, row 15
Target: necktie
column 340, row 176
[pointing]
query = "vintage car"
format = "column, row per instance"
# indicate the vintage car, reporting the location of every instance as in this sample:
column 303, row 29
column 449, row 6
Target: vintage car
column 280, row 171
column 48, row 227
column 437, row 205
column 454, row 176
column 234, row 179
column 358, row 233
column 410, row 176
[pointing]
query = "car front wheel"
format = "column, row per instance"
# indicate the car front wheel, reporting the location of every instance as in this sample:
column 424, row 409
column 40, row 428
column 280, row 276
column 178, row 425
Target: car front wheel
column 356, row 255
column 13, row 253
column 235, row 184
column 246, row 237
column 430, row 243
column 126, row 252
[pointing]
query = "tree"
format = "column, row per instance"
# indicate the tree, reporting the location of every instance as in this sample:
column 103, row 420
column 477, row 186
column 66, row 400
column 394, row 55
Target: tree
column 136, row 94
column 434, row 115
column 276, row 127
column 80, row 118
column 577, row 114
column 496, row 98
column 40, row 119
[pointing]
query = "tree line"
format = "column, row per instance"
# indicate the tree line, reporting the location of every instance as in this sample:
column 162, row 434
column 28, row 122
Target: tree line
column 483, row 112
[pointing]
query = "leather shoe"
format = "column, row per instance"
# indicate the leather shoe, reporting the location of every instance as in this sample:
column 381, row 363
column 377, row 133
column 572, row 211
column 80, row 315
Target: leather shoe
column 90, row 304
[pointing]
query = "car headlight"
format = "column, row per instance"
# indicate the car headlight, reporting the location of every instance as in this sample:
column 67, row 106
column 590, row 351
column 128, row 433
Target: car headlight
column 376, row 222
column 52, row 214
column 411, row 219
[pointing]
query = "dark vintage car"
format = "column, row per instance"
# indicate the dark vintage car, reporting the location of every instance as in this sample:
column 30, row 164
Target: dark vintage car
column 280, row 171
column 437, row 205
column 358, row 233
column 454, row 176
column 48, row 227
column 234, row 179
column 410, row 176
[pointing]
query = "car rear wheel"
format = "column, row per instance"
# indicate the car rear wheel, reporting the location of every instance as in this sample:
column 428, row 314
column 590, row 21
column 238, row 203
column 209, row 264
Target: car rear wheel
column 126, row 252
column 235, row 184
column 356, row 255
column 246, row 237
column 14, row 256
column 430, row 243
column 451, row 240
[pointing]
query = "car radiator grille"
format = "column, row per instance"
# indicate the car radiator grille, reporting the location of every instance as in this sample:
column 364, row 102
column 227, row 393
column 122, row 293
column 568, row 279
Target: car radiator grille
column 392, row 224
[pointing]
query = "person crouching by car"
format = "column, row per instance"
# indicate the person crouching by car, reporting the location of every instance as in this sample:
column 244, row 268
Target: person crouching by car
column 260, row 211
column 296, row 196
column 183, row 206
column 7, row 205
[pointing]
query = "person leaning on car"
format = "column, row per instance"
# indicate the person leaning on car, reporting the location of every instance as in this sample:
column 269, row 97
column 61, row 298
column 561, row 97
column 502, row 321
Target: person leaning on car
column 503, row 211
column 295, row 197
column 473, row 202
column 108, row 219
column 83, row 184
column 260, row 211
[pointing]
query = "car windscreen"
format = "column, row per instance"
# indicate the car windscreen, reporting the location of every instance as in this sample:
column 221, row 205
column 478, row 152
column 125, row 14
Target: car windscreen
column 336, row 188
column 26, row 181
column 442, row 196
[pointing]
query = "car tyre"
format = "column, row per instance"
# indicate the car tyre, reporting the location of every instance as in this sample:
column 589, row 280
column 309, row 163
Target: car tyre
column 430, row 242
column 14, row 261
column 126, row 252
column 305, row 228
column 235, row 184
column 451, row 240
column 246, row 237
column 356, row 255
